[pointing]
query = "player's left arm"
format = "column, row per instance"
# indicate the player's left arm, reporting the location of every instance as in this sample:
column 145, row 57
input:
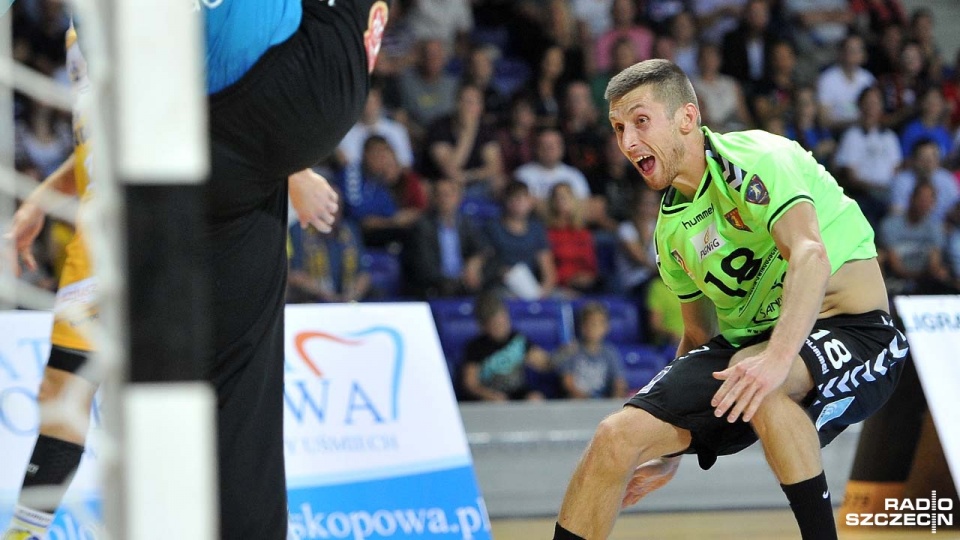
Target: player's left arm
column 747, row 383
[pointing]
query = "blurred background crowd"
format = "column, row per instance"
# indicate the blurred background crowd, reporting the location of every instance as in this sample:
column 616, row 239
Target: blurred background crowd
column 484, row 178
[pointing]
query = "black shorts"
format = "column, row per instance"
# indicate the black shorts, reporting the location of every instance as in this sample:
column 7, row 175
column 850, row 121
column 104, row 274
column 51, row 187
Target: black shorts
column 855, row 362
column 71, row 361
column 289, row 111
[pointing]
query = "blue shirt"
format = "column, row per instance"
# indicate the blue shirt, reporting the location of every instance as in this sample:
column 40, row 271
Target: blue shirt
column 451, row 259
column 239, row 32
column 915, row 131
column 332, row 258
column 364, row 195
column 511, row 249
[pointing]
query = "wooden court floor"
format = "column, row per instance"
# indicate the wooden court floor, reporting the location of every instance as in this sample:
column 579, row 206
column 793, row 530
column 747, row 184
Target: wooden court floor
column 725, row 525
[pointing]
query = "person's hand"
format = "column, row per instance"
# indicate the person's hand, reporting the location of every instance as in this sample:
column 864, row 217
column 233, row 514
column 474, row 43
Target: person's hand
column 472, row 277
column 314, row 201
column 538, row 359
column 406, row 217
column 648, row 478
column 26, row 224
column 746, row 384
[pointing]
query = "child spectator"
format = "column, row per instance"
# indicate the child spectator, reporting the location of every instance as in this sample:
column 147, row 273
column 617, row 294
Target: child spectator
column 925, row 168
column 495, row 362
column 591, row 367
column 570, row 242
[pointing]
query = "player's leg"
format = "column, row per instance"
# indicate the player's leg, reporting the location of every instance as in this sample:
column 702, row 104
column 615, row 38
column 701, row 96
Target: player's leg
column 623, row 441
column 792, row 449
column 64, row 399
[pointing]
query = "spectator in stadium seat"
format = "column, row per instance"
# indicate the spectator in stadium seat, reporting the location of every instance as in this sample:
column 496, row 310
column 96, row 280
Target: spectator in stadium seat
column 445, row 253
column 426, row 92
column 683, row 30
column 549, row 72
column 806, row 128
column 327, row 267
column 518, row 138
column 746, row 48
column 922, row 31
column 868, row 157
column 570, row 242
column 448, row 21
column 929, row 124
column 582, row 134
column 637, row 254
column 624, row 55
column 722, row 103
column 819, row 28
column 873, row 17
column 479, row 73
column 620, row 186
column 462, row 148
column 373, row 121
column 902, row 88
column 624, row 14
column 911, row 246
column 548, row 169
column 495, row 362
column 884, row 54
column 717, row 17
column 773, row 95
column 840, row 84
column 518, row 238
column 380, row 195
column 925, row 167
column 562, row 29
column 590, row 367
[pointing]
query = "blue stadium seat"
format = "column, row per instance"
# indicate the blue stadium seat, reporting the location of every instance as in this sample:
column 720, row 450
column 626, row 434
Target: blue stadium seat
column 545, row 322
column 480, row 211
column 624, row 319
column 455, row 326
column 384, row 272
column 641, row 363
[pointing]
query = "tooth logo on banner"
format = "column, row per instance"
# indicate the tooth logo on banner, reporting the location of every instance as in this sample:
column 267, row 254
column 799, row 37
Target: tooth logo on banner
column 708, row 242
column 324, row 383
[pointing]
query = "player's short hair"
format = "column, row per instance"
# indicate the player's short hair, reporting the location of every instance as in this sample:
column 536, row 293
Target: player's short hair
column 487, row 306
column 670, row 84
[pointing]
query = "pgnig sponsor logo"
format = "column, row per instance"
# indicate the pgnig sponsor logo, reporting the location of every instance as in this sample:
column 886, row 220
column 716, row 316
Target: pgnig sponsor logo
column 462, row 522
column 931, row 512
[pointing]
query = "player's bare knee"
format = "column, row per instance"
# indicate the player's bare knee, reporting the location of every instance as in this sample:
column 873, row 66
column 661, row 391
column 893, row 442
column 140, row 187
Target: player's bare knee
column 771, row 411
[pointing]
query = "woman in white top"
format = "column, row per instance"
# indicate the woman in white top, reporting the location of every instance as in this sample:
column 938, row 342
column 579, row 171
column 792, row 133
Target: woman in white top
column 722, row 105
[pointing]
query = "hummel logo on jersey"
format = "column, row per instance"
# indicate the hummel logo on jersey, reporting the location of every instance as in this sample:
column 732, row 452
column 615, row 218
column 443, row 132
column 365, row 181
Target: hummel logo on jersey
column 733, row 218
column 708, row 242
column 687, row 223
column 757, row 192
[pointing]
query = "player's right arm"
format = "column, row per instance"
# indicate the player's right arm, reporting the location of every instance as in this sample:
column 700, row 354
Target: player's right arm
column 28, row 220
column 699, row 324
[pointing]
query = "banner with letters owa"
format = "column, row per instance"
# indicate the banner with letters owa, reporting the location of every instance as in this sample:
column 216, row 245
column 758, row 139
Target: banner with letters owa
column 375, row 446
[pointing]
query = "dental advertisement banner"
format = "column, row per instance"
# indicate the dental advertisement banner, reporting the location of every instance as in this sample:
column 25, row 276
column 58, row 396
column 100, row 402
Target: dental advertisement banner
column 932, row 325
column 375, row 447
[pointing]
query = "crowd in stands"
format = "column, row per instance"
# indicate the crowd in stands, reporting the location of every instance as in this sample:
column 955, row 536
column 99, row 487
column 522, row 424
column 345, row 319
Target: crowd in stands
column 483, row 165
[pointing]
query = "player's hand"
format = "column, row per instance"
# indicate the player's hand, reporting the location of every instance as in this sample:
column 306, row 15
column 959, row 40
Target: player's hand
column 648, row 478
column 746, row 384
column 26, row 224
column 314, row 201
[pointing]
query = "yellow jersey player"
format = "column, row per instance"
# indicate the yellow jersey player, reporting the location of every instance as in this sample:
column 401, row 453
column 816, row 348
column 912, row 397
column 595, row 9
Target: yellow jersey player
column 60, row 443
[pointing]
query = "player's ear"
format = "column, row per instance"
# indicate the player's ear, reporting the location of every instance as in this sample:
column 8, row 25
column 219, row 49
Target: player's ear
column 689, row 118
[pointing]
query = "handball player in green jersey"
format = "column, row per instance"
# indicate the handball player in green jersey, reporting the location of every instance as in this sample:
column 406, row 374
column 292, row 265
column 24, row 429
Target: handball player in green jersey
column 787, row 334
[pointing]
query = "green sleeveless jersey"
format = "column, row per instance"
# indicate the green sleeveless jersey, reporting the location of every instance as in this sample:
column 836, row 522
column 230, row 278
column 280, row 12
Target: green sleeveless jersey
column 720, row 243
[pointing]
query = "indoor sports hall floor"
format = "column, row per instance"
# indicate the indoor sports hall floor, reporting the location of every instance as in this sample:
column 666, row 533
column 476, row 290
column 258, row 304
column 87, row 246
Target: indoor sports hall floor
column 723, row 525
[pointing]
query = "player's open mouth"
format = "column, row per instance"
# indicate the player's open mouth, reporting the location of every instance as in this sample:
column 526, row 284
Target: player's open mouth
column 646, row 164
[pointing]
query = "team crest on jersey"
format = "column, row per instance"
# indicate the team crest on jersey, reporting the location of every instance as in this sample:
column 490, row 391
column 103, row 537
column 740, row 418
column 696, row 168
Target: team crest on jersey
column 757, row 192
column 733, row 218
column 679, row 259
column 708, row 242
column 373, row 37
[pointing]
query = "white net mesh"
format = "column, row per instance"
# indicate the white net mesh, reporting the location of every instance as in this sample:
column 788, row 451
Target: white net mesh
column 100, row 221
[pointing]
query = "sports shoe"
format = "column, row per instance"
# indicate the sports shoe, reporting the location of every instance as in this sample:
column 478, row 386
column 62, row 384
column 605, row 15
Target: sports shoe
column 20, row 534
